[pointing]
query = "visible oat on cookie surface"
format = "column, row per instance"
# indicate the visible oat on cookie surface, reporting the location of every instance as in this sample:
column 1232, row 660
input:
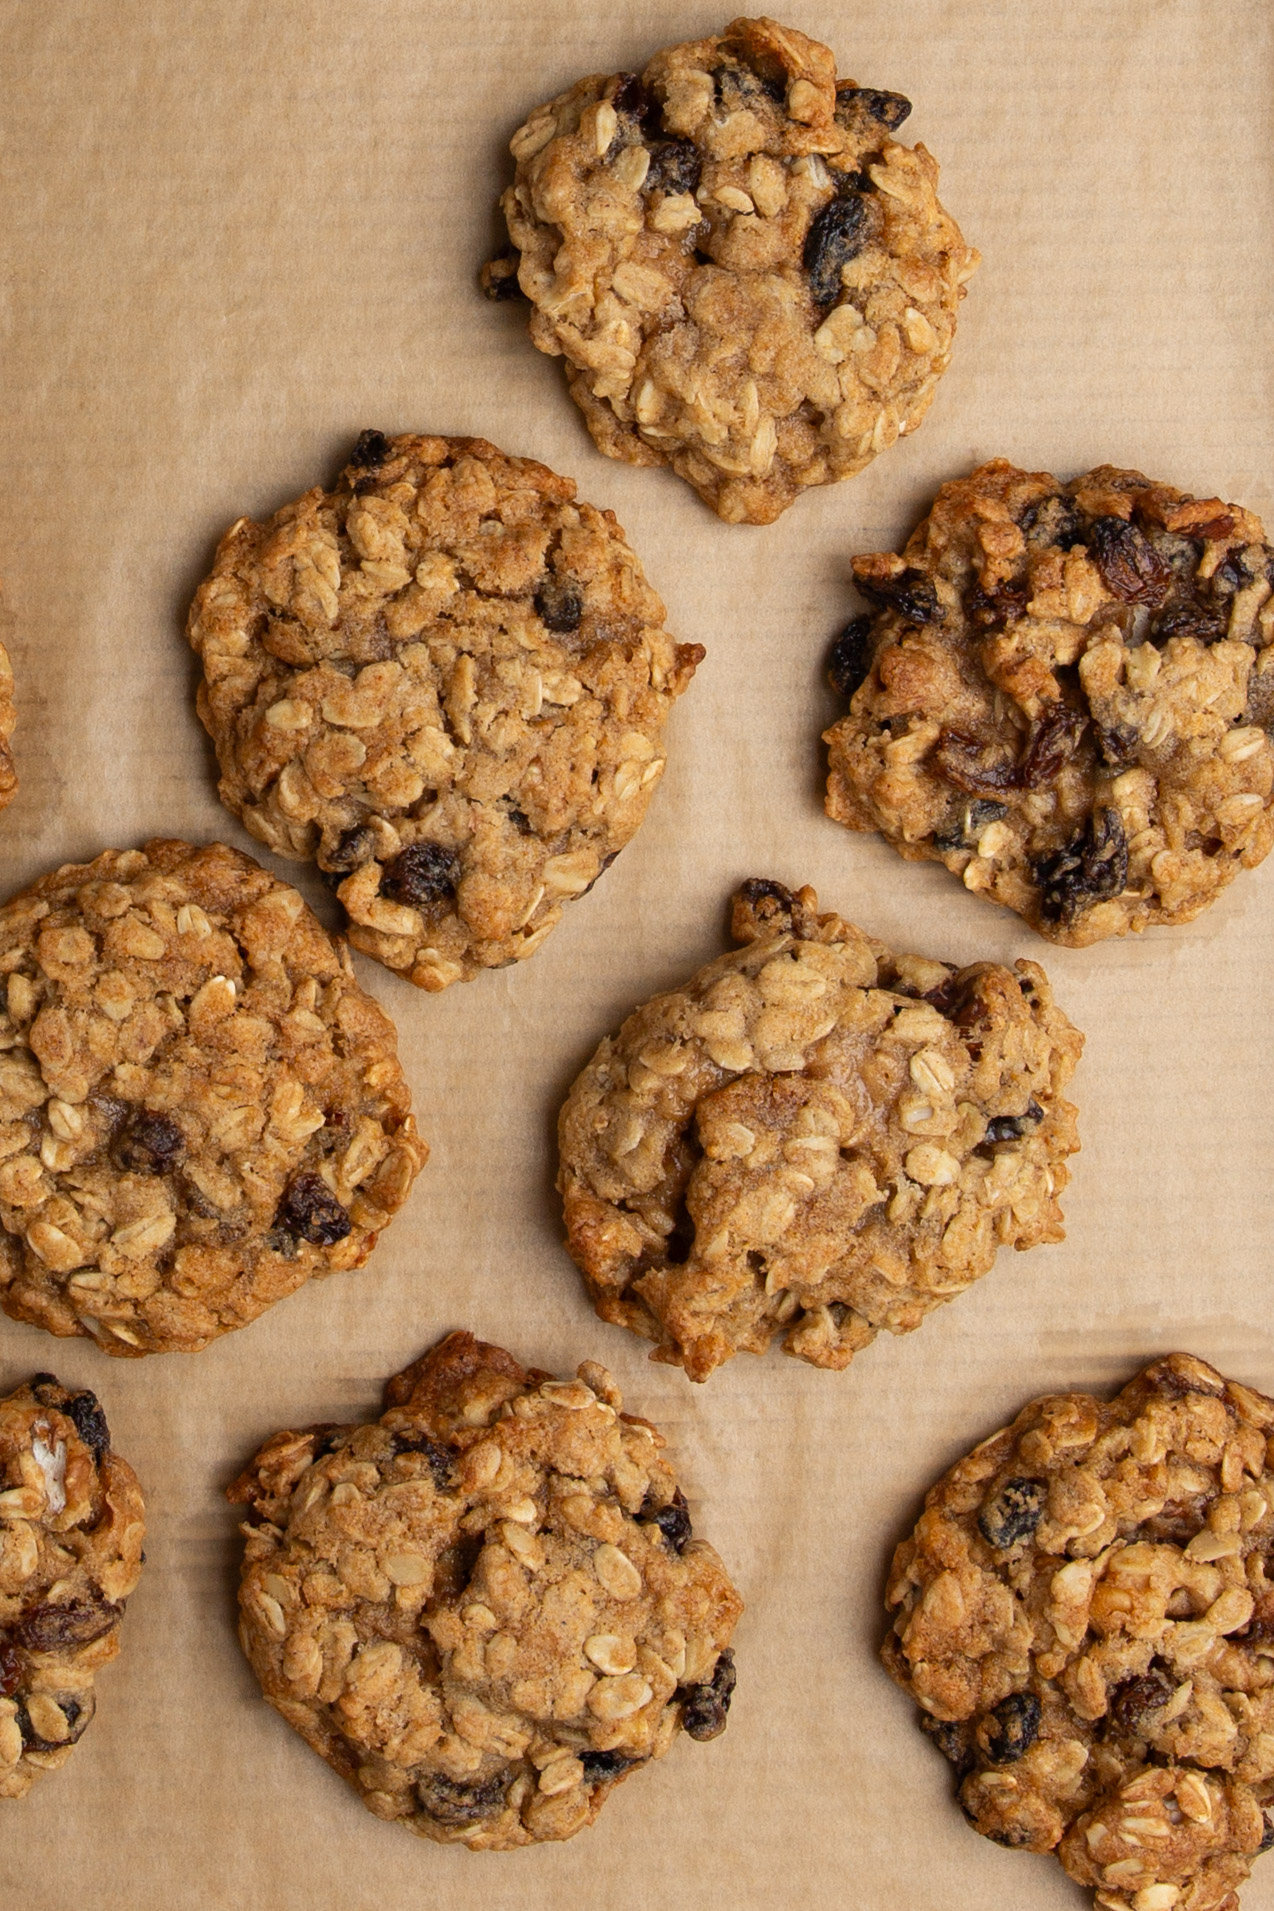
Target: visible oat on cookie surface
column 487, row 1607
column 446, row 681
column 200, row 1109
column 1084, row 1614
column 814, row 1138
column 748, row 278
column 1065, row 694
column 71, row 1531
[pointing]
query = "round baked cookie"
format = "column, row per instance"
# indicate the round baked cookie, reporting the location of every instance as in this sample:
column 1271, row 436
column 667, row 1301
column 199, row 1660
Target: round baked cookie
column 71, row 1530
column 486, row 1608
column 446, row 681
column 1085, row 1617
column 199, row 1107
column 1064, row 694
column 814, row 1137
column 749, row 280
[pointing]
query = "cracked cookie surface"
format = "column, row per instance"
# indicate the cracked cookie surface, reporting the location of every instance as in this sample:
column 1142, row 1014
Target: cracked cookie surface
column 1085, row 1615
column 446, row 681
column 200, row 1109
column 814, row 1138
column 1065, row 695
column 71, row 1530
column 749, row 280
column 487, row 1607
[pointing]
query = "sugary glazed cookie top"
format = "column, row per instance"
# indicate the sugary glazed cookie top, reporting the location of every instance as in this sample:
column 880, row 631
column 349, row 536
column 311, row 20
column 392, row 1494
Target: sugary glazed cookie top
column 749, row 280
column 71, row 1531
column 486, row 1608
column 814, row 1137
column 1085, row 1615
column 1064, row 694
column 199, row 1106
column 446, row 681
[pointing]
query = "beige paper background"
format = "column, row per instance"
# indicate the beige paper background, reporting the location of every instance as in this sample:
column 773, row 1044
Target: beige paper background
column 237, row 232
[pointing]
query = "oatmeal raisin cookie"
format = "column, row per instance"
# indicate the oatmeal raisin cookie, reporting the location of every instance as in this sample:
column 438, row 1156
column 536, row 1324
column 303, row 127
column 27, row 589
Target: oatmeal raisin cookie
column 200, row 1108
column 1084, row 1614
column 486, row 1608
column 71, row 1530
column 814, row 1137
column 748, row 278
column 446, row 681
column 1065, row 694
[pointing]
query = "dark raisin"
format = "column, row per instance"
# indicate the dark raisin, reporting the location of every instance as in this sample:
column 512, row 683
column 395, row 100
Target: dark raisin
column 499, row 276
column 1093, row 867
column 759, row 889
column 520, row 820
column 78, row 1623
column 1134, row 1699
column 952, row 1740
column 602, row 1765
column 1013, row 1127
column 676, row 166
column 1206, row 623
column 74, row 1714
column 1231, row 574
column 630, row 96
column 836, row 236
column 1013, row 1514
column 448, row 1802
column 1051, row 744
column 972, row 764
column 672, row 1520
column 353, row 848
column 10, row 1671
column 988, row 610
column 910, row 593
column 1012, row 1837
column 1129, row 564
column 371, row 450
column 148, row 1143
column 851, row 657
column 440, row 1458
column 309, row 1209
column 421, row 874
column 90, row 1422
column 1117, row 746
column 559, row 603
column 704, row 1707
column 1010, row 1728
column 963, row 829
column 1267, row 1836
column 887, row 109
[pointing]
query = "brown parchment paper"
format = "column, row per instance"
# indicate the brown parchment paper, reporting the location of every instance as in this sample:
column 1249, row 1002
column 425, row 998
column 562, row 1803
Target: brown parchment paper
column 235, row 233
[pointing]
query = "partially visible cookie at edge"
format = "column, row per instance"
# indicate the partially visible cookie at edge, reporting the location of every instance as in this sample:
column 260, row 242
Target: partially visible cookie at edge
column 1065, row 694
column 446, row 682
column 814, row 1139
column 200, row 1108
column 488, row 1607
column 1085, row 1616
column 749, row 279
column 71, row 1529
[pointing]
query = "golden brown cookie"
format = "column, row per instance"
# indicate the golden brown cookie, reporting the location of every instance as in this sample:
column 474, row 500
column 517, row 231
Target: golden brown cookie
column 1064, row 694
column 748, row 278
column 816, row 1138
column 1084, row 1614
column 200, row 1109
column 486, row 1608
column 446, row 681
column 71, row 1531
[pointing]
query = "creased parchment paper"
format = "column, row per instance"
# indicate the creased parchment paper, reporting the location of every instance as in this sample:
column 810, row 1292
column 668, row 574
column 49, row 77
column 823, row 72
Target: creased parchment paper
column 237, row 232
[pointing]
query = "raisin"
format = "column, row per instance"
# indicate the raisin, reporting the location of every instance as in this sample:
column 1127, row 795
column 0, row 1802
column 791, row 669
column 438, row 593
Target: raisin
column 1013, row 1514
column 759, row 889
column 499, row 276
column 1267, row 1835
column 851, row 659
column 1206, row 623
column 421, row 874
column 672, row 1520
column 1012, row 1127
column 1093, row 867
column 1134, row 1699
column 1231, row 574
column 971, row 819
column 991, row 609
column 704, row 1707
column 1129, row 564
column 90, row 1423
column 559, row 604
column 952, row 1740
column 1010, row 1728
column 887, row 109
column 309, row 1209
column 47, row 1628
column 676, row 166
column 1117, row 746
column 148, row 1143
column 371, row 450
column 836, row 236
column 599, row 1766
column 1053, row 520
column 1051, row 744
column 910, row 593
column 440, row 1458
column 972, row 764
column 630, row 96
column 353, row 848
column 448, row 1802
column 10, row 1671
column 520, row 820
